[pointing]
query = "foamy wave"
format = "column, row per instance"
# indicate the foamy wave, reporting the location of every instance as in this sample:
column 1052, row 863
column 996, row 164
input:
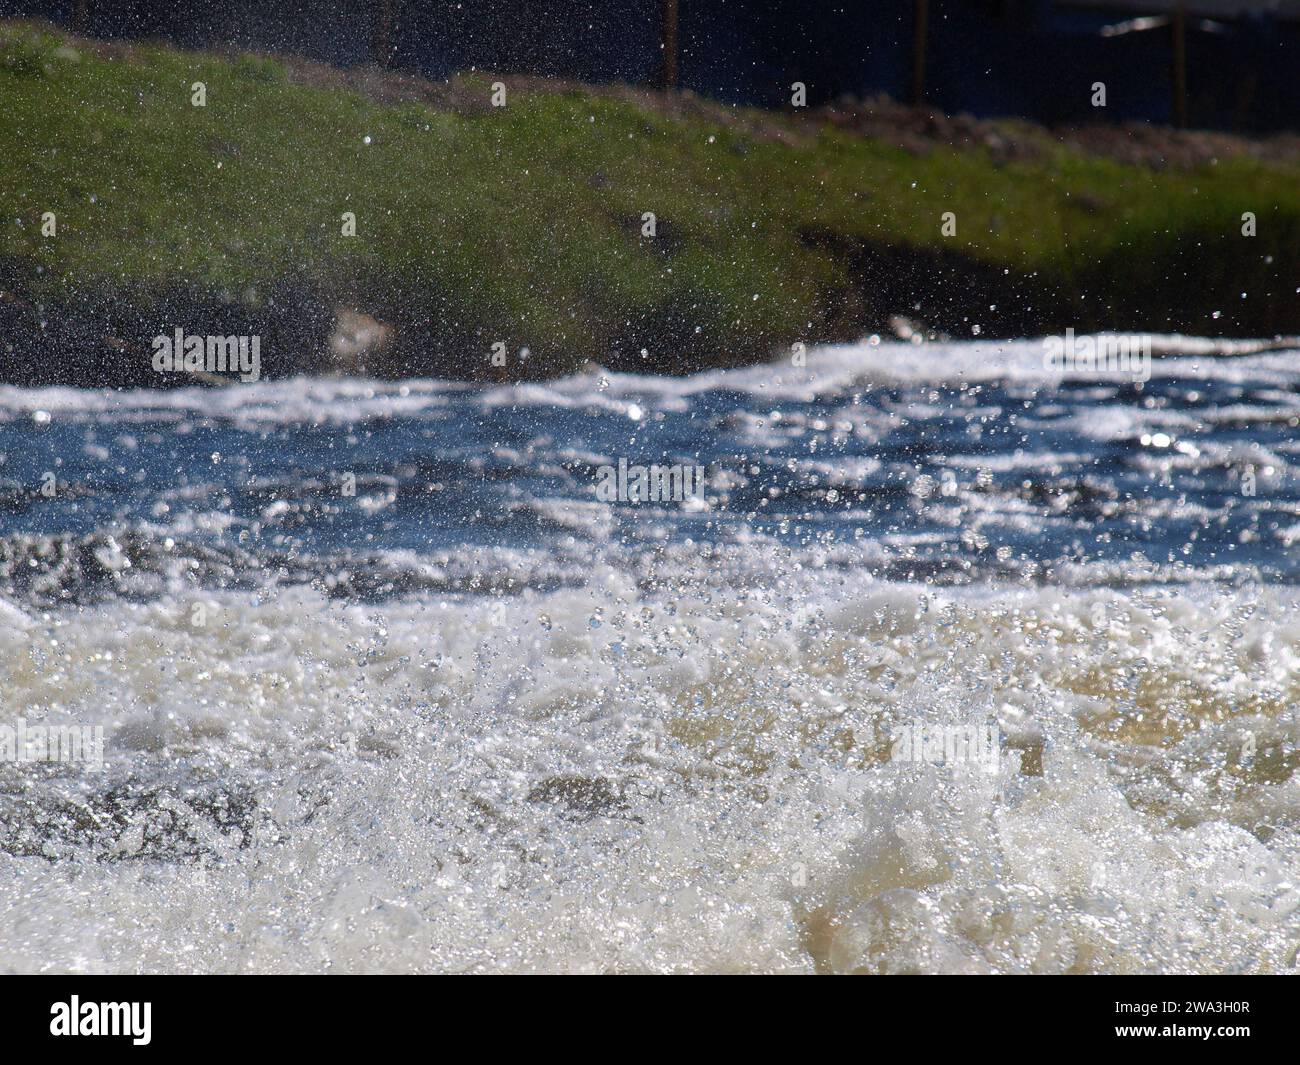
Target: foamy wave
column 611, row 778
column 828, row 370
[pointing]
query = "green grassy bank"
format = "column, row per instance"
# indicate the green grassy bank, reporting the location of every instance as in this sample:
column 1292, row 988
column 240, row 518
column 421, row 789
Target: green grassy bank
column 523, row 223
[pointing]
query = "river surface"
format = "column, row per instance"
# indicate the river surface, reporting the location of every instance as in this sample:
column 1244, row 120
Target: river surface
column 386, row 687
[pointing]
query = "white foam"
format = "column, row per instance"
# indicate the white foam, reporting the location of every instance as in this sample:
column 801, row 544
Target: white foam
column 745, row 822
column 829, row 370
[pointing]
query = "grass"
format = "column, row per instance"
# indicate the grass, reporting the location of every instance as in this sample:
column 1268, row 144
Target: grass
column 523, row 223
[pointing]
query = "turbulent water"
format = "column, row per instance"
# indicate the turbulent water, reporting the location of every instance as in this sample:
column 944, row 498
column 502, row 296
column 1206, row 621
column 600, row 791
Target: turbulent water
column 471, row 718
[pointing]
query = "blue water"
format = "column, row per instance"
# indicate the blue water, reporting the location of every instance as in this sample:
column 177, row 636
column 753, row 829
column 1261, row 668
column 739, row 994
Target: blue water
column 941, row 478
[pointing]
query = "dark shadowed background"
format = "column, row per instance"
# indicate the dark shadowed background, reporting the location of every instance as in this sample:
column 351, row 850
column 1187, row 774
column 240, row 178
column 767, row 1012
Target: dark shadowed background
column 1033, row 58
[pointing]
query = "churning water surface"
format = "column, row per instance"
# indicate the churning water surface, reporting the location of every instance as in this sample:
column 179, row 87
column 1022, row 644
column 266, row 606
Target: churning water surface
column 385, row 686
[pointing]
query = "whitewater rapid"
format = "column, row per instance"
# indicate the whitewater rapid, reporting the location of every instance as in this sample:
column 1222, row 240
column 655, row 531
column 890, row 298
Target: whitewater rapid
column 474, row 720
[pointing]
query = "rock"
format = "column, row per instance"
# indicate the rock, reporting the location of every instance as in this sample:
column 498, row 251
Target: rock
column 356, row 335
